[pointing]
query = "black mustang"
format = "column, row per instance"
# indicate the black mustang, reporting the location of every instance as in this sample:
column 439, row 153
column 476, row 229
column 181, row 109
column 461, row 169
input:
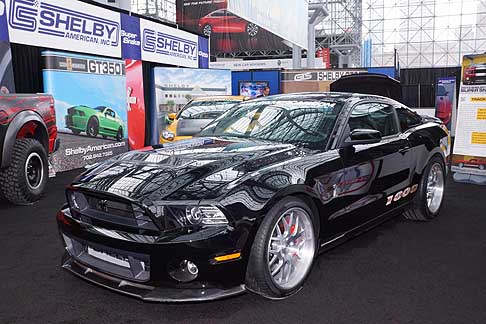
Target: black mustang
column 249, row 203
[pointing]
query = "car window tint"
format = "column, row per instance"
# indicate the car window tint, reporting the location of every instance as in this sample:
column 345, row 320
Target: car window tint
column 373, row 115
column 408, row 118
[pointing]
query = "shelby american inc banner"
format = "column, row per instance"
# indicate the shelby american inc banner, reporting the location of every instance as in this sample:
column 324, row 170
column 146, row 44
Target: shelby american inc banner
column 80, row 27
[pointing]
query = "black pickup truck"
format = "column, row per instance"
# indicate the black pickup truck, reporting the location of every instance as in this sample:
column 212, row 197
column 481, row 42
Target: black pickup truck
column 28, row 133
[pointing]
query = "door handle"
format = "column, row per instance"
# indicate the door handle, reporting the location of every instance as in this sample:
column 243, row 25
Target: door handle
column 404, row 150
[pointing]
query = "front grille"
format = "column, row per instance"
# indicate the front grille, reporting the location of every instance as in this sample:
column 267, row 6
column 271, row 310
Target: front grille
column 69, row 120
column 111, row 213
column 128, row 265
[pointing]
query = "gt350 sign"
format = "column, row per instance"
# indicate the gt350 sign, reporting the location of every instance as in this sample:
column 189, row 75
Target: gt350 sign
column 70, row 25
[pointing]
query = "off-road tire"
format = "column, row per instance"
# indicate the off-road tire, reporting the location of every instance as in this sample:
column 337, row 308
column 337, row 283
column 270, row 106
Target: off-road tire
column 418, row 210
column 14, row 185
column 258, row 278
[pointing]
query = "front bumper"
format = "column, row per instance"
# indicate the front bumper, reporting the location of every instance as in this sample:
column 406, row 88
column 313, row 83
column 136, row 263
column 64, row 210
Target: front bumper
column 142, row 269
column 146, row 292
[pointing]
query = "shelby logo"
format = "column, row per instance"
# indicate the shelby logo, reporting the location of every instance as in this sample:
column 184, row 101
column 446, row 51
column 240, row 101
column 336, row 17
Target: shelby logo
column 303, row 76
column 48, row 19
column 160, row 43
column 203, row 54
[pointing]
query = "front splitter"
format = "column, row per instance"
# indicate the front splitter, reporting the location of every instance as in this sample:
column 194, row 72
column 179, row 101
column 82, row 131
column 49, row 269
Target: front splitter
column 148, row 293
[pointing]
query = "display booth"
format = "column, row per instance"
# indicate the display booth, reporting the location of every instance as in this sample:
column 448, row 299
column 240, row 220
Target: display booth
column 95, row 62
column 469, row 158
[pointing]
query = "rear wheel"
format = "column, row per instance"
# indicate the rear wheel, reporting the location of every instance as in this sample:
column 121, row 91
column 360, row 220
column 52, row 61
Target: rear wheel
column 252, row 29
column 207, row 30
column 428, row 201
column 283, row 250
column 25, row 179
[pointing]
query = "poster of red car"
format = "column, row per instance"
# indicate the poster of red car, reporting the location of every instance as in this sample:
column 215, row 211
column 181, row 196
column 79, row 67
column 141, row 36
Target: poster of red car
column 445, row 100
column 228, row 32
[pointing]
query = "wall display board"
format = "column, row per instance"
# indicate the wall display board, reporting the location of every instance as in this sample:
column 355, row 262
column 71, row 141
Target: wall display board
column 252, row 89
column 173, row 88
column 84, row 28
column 135, row 104
column 227, row 31
column 313, row 80
column 445, row 102
column 91, row 107
column 66, row 25
column 7, row 84
column 295, row 14
column 469, row 158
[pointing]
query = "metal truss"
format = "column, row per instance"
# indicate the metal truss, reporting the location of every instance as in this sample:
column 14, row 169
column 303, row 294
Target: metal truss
column 342, row 30
column 164, row 10
column 425, row 33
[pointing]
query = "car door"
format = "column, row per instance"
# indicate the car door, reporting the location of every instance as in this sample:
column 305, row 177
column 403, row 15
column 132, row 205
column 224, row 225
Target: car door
column 372, row 172
column 111, row 124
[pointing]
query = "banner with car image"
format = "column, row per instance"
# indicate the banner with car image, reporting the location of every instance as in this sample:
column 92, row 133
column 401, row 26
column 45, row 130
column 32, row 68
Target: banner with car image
column 91, row 107
column 173, row 88
column 227, row 31
column 469, row 158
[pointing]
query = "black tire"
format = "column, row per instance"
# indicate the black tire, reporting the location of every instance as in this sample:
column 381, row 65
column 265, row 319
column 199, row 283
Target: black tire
column 76, row 131
column 207, row 30
column 418, row 209
column 15, row 185
column 93, row 127
column 252, row 30
column 258, row 277
column 119, row 135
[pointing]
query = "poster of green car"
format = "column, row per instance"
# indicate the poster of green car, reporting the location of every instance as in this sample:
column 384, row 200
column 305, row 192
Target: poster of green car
column 90, row 95
column 101, row 120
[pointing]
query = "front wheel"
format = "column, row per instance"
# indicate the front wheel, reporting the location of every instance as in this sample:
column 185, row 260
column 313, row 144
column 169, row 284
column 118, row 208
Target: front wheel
column 25, row 179
column 428, row 201
column 283, row 251
column 119, row 135
column 93, row 127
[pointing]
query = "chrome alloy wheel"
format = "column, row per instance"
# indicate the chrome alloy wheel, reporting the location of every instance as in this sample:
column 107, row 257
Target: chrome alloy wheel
column 34, row 171
column 435, row 188
column 252, row 29
column 291, row 248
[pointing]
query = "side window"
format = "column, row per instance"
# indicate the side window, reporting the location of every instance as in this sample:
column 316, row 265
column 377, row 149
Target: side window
column 374, row 115
column 408, row 118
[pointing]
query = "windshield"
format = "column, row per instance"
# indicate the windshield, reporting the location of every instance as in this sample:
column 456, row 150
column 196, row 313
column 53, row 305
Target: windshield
column 100, row 108
column 308, row 123
column 206, row 109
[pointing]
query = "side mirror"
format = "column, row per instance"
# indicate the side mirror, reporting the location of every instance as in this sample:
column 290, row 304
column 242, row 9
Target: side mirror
column 362, row 137
column 172, row 116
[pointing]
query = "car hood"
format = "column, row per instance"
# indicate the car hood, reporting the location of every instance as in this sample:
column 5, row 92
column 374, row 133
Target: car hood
column 193, row 169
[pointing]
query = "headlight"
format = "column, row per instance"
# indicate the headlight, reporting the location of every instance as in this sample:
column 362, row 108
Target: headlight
column 169, row 136
column 205, row 215
column 77, row 201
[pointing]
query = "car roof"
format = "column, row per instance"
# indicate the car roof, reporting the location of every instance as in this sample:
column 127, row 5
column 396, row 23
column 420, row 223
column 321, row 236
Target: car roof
column 219, row 98
column 321, row 96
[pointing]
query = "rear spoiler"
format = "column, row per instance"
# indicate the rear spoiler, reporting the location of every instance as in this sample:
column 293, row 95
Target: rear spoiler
column 369, row 83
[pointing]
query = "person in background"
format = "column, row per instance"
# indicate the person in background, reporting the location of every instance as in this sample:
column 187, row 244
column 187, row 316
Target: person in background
column 266, row 92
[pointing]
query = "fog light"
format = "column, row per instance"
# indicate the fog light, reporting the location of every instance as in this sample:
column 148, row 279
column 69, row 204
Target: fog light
column 183, row 271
